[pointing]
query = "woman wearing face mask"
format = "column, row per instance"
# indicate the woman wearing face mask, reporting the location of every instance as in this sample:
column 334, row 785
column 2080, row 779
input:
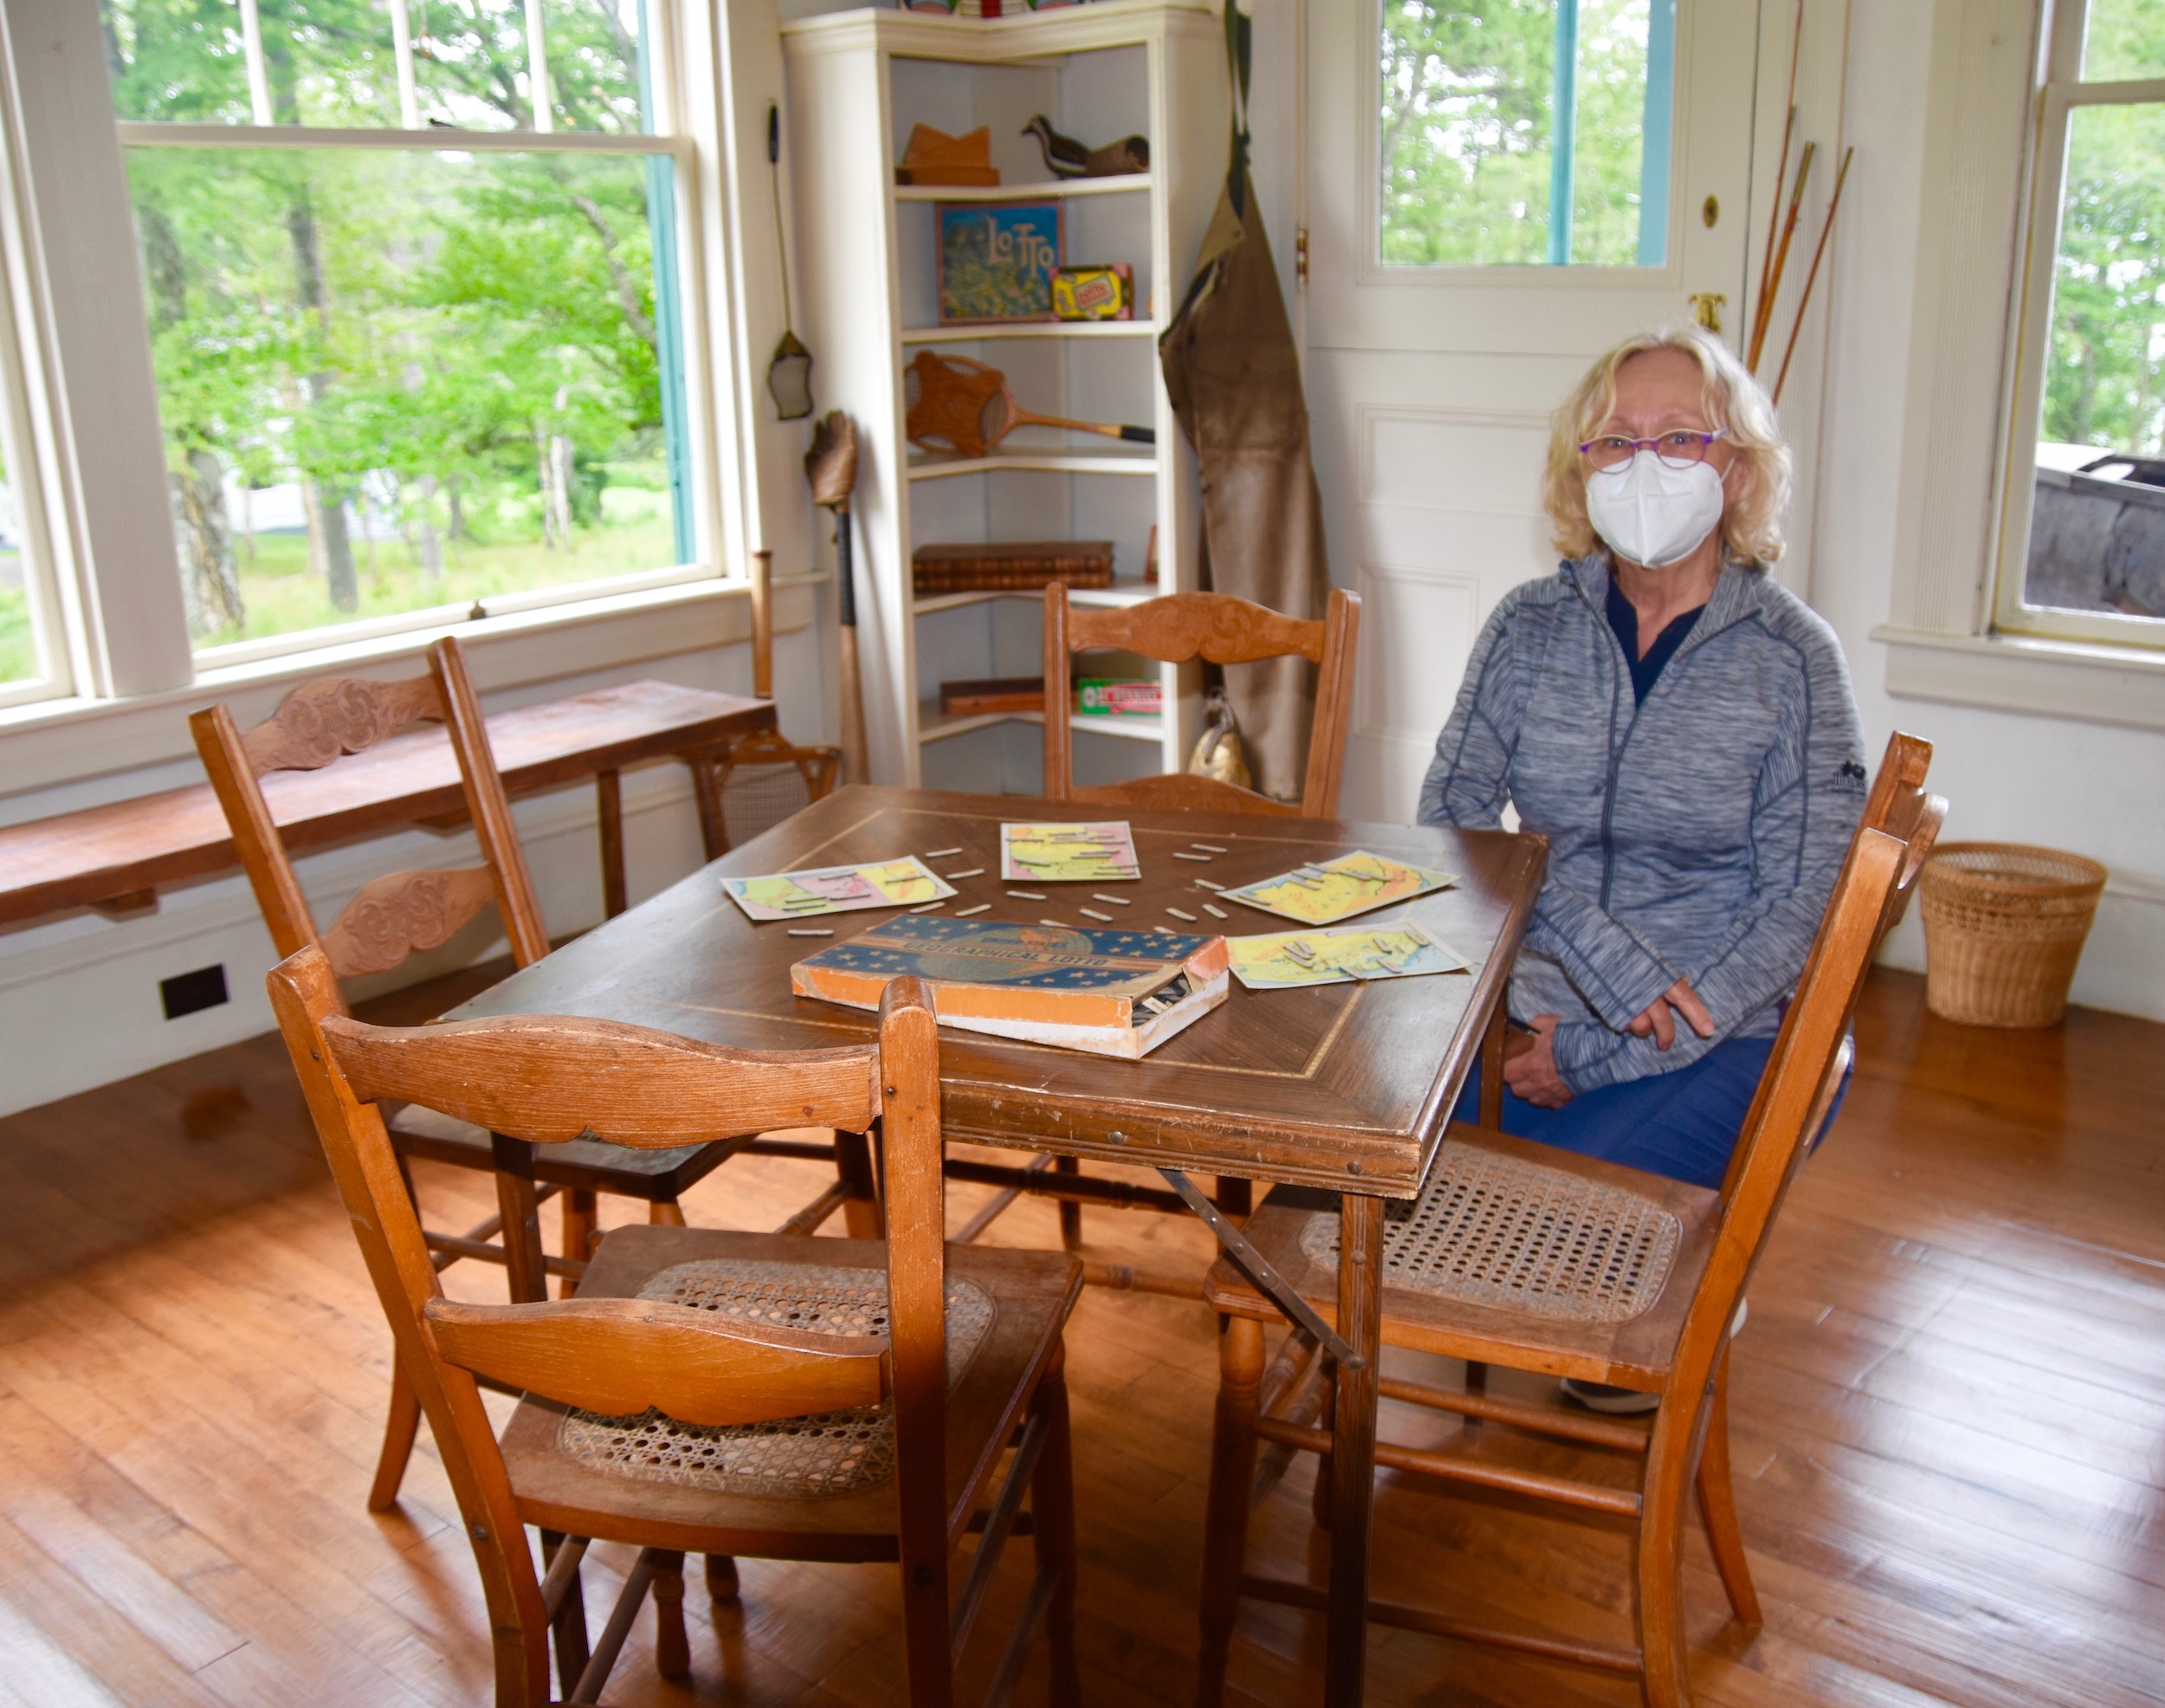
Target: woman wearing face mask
column 1683, row 731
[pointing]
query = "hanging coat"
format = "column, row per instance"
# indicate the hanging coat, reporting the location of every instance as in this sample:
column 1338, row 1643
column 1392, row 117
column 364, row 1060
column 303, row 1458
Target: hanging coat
column 1233, row 375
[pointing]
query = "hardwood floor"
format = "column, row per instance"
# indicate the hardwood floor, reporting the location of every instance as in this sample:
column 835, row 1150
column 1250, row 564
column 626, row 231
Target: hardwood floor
column 1949, row 1414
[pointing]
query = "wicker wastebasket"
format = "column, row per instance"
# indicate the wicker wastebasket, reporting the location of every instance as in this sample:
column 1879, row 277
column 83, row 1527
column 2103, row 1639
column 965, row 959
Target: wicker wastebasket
column 2004, row 926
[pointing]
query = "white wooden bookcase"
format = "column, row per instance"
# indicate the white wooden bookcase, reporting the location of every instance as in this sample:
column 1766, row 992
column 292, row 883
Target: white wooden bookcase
column 867, row 277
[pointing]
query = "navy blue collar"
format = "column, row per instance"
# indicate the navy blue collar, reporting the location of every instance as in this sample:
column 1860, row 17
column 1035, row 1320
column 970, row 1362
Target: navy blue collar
column 1625, row 620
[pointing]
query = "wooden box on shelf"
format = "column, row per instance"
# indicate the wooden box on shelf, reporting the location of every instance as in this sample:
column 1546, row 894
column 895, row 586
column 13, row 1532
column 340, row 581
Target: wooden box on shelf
column 1023, row 565
column 991, row 694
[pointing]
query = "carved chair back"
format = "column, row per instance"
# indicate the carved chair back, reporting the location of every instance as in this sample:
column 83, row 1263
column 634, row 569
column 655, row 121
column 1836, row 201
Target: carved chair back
column 397, row 914
column 1217, row 629
column 546, row 1079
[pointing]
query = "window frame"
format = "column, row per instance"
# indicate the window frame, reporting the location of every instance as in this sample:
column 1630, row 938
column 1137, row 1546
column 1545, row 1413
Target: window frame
column 2060, row 90
column 669, row 136
column 1672, row 18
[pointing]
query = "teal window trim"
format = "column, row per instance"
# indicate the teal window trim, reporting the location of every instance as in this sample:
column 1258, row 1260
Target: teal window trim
column 669, row 320
column 1563, row 129
column 1655, row 166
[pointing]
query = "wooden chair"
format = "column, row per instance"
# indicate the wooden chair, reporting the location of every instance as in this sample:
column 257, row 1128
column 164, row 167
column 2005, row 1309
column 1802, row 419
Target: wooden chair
column 395, row 916
column 1220, row 630
column 763, row 778
column 1518, row 1254
column 721, row 1392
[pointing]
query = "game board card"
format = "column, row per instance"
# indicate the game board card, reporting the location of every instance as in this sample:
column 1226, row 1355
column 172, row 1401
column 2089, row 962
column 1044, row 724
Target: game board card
column 1293, row 958
column 890, row 883
column 1096, row 853
column 1353, row 883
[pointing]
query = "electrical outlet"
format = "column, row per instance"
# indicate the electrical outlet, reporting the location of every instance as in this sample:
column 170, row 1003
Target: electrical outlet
column 186, row 992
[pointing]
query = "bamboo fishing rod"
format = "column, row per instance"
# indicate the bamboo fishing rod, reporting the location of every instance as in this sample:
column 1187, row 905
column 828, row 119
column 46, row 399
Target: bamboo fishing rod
column 1765, row 314
column 1781, row 171
column 1812, row 274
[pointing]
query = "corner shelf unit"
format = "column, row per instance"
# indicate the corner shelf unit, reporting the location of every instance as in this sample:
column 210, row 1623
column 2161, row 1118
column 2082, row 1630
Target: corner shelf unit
column 866, row 267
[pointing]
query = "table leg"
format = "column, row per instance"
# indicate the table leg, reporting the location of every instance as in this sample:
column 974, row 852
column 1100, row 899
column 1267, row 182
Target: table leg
column 1353, row 1458
column 1492, row 1069
column 522, row 1219
column 608, row 802
column 713, row 835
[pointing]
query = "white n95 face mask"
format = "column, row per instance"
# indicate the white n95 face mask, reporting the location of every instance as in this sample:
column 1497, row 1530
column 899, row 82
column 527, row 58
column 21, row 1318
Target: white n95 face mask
column 1652, row 513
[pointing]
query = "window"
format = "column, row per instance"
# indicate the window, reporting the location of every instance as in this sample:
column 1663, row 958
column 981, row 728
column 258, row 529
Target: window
column 411, row 272
column 1526, row 132
column 2083, row 543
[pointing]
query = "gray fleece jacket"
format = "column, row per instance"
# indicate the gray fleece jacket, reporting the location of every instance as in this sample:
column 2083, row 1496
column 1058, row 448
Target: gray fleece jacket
column 1696, row 836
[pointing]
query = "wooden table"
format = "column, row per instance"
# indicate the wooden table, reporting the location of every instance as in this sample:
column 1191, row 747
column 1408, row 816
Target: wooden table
column 115, row 857
column 1347, row 1087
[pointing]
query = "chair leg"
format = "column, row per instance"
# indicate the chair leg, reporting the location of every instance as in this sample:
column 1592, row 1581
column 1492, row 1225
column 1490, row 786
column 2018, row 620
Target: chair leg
column 570, row 1623
column 1053, row 1534
column 1319, row 1501
column 1660, row 1568
column 672, row 1647
column 665, row 1213
column 721, row 1578
column 578, row 1233
column 1070, row 1211
column 400, row 1426
column 1233, row 1475
column 1717, row 1504
column 860, row 1214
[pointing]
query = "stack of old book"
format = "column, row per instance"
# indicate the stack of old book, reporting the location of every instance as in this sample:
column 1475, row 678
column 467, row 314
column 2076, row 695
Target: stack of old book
column 1012, row 565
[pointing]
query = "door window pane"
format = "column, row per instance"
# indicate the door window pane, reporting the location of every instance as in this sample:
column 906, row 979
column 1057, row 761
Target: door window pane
column 1524, row 133
column 391, row 382
column 2097, row 540
column 2125, row 39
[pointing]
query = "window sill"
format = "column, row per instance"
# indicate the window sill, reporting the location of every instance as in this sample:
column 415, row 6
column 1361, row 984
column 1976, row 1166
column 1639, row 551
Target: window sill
column 2083, row 680
column 52, row 742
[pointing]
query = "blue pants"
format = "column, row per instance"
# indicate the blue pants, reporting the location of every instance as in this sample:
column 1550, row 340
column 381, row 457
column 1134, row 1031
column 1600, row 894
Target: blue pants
column 1682, row 1124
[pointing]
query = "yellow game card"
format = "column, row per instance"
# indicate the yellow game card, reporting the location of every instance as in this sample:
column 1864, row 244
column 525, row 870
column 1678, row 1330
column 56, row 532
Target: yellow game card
column 1297, row 958
column 1352, row 883
column 1099, row 853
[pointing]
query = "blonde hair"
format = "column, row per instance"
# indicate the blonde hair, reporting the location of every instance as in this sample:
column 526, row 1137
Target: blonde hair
column 1751, row 524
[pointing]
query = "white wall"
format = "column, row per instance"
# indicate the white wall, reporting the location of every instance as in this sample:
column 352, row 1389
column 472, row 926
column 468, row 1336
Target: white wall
column 79, row 1000
column 2095, row 789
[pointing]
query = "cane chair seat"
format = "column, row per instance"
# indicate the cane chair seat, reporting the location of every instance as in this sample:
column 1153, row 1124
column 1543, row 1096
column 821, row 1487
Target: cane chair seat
column 832, row 1473
column 1511, row 1245
column 657, row 1176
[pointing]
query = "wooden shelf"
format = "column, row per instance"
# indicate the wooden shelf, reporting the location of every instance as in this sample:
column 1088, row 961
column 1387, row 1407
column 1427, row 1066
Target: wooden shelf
column 1126, row 184
column 1046, row 462
column 935, row 725
column 1032, row 329
column 1120, row 593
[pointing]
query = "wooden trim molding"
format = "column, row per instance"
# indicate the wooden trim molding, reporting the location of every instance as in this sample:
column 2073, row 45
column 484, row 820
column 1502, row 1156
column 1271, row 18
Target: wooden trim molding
column 1970, row 218
column 2012, row 673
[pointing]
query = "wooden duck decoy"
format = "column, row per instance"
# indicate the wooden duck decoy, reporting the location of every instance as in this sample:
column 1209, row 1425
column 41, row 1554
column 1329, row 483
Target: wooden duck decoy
column 1066, row 158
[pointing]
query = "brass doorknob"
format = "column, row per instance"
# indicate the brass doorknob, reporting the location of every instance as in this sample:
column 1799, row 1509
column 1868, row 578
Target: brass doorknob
column 1706, row 309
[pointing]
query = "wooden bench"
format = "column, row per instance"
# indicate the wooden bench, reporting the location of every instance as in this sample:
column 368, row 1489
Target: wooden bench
column 115, row 857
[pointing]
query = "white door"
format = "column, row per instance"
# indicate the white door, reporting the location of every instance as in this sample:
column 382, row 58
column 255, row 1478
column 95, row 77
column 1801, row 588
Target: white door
column 1450, row 302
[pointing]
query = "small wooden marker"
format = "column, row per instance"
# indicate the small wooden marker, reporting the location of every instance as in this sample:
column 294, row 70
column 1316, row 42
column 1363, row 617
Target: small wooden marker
column 1061, row 923
column 795, row 932
column 1117, row 901
column 1207, row 847
column 1215, row 913
column 1182, row 854
column 1168, row 929
column 1025, row 895
column 964, row 913
column 1177, row 913
column 1204, row 884
column 1092, row 913
column 974, row 871
column 931, row 907
column 942, row 853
